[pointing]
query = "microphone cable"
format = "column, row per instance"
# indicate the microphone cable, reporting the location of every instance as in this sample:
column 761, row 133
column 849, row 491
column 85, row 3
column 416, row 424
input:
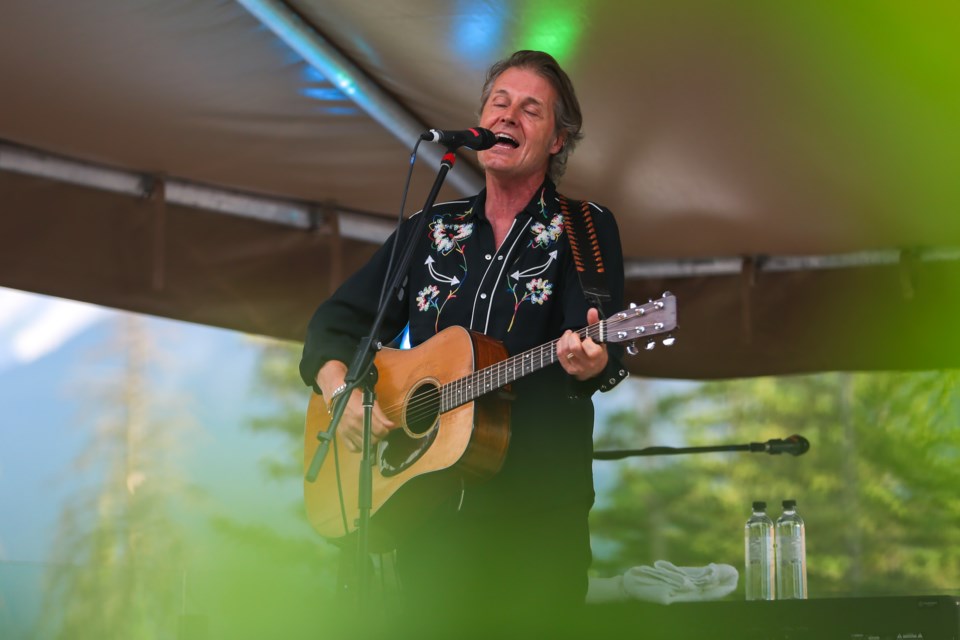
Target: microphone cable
column 396, row 233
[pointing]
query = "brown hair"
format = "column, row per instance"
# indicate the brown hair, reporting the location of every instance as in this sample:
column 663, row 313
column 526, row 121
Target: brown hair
column 566, row 110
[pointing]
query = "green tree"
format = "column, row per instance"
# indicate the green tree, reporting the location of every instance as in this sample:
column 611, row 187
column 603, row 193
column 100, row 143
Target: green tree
column 276, row 579
column 118, row 552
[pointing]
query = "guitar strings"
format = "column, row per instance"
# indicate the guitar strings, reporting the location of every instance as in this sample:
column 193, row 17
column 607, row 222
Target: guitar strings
column 427, row 405
column 431, row 402
column 422, row 406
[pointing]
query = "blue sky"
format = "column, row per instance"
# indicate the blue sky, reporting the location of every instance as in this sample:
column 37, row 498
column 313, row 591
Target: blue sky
column 31, row 325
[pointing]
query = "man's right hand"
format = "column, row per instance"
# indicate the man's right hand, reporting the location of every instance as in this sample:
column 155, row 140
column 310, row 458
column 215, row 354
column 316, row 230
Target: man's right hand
column 350, row 429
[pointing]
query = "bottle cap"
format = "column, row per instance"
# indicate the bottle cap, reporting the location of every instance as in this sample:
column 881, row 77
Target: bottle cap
column 759, row 506
column 789, row 504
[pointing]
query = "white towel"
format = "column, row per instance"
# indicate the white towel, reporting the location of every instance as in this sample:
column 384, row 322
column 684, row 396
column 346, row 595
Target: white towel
column 665, row 582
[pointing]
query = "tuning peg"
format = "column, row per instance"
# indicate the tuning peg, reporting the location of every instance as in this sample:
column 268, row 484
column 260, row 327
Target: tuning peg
column 650, row 345
column 633, row 305
column 632, row 348
column 666, row 294
column 669, row 341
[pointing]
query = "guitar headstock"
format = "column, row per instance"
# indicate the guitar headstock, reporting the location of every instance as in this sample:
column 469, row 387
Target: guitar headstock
column 644, row 321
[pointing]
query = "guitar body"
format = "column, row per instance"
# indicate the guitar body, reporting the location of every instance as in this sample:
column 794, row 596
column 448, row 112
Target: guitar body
column 430, row 453
column 452, row 427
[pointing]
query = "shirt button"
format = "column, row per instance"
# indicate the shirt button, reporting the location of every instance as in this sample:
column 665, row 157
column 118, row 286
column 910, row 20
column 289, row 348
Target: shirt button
column 499, row 257
column 488, row 256
column 483, row 296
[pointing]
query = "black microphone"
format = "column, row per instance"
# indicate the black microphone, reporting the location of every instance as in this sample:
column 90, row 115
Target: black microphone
column 794, row 445
column 477, row 139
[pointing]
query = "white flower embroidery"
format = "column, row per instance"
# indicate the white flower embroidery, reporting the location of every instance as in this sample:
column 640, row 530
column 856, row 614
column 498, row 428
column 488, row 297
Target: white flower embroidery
column 540, row 290
column 546, row 235
column 446, row 236
column 427, row 297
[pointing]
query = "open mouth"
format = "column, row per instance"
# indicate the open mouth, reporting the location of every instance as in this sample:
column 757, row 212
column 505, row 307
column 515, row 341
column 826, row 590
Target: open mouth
column 504, row 140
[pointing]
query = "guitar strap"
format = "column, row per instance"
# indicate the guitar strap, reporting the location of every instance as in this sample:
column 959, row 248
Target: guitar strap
column 585, row 248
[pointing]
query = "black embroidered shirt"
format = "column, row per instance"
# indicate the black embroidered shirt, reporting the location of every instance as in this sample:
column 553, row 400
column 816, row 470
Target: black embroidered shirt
column 524, row 293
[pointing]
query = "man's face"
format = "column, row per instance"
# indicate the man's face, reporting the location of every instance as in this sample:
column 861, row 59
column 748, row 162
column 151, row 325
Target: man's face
column 521, row 109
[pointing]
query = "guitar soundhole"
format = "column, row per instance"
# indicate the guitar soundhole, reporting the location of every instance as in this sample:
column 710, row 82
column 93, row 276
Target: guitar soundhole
column 405, row 446
column 422, row 410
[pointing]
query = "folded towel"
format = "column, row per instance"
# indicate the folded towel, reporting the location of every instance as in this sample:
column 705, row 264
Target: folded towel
column 665, row 582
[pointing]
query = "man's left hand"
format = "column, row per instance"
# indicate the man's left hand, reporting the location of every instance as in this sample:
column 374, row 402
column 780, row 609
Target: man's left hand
column 583, row 359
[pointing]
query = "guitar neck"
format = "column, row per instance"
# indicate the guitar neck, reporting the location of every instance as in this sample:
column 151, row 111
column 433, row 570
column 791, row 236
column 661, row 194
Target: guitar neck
column 483, row 381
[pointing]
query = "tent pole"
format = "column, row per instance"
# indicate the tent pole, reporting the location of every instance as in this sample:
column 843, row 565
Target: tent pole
column 344, row 74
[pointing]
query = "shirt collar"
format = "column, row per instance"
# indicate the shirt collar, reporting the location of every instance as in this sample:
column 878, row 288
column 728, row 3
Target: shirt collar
column 542, row 205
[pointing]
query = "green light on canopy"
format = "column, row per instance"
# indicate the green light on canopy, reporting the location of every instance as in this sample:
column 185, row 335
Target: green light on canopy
column 552, row 26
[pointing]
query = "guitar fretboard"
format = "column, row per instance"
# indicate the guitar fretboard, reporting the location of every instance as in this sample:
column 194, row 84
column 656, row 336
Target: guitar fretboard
column 483, row 381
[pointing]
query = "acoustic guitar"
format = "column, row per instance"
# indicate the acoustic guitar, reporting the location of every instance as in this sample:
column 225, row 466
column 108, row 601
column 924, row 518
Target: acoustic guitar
column 452, row 425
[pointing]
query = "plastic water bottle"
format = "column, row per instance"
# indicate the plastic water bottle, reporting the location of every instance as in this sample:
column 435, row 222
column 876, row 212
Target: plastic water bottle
column 758, row 554
column 791, row 554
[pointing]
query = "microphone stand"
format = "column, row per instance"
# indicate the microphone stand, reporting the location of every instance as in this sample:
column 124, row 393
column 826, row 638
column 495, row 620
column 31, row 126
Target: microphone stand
column 794, row 445
column 363, row 374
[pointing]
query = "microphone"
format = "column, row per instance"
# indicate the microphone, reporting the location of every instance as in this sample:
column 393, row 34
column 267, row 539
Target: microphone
column 477, row 139
column 794, row 445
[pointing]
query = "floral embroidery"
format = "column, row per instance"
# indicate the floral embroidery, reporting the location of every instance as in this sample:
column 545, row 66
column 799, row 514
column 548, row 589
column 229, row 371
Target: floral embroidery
column 447, row 237
column 545, row 235
column 539, row 291
column 428, row 298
